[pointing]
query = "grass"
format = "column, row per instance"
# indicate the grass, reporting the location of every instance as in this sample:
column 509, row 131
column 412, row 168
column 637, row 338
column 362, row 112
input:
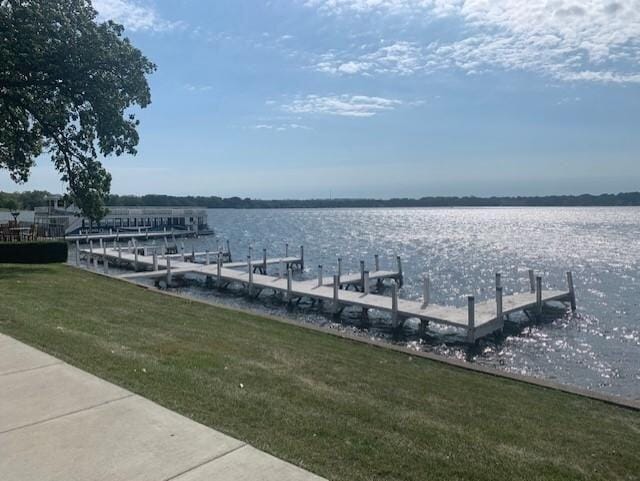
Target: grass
column 341, row 409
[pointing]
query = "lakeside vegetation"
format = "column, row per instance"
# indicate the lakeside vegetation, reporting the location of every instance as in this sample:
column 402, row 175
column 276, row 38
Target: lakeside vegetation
column 344, row 410
column 29, row 200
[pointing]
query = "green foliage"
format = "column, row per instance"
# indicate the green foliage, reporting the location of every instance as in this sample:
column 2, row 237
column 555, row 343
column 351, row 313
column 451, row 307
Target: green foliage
column 66, row 83
column 213, row 202
column 27, row 200
column 33, row 252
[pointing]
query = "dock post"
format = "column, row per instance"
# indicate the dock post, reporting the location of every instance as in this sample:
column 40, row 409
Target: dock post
column 104, row 251
column 207, row 259
column 499, row 303
column 134, row 245
column 77, row 252
column 532, row 281
column 498, row 280
column 362, row 275
column 281, row 269
column 105, row 265
column 400, row 274
column 193, row 254
column 376, row 259
column 320, row 279
column 250, row 275
column 229, row 250
column 301, row 258
column 365, row 282
column 168, row 271
column 289, row 284
column 249, row 264
column 219, row 270
column 286, row 249
column 339, row 269
column 119, row 254
column 426, row 291
column 155, row 260
column 264, row 261
column 135, row 259
column 101, row 243
column 539, row 295
column 572, row 291
column 90, row 258
column 182, row 251
column 394, row 305
column 471, row 328
column 336, row 289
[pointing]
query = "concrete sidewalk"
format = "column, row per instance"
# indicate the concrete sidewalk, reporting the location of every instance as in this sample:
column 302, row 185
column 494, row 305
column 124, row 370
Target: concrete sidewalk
column 60, row 423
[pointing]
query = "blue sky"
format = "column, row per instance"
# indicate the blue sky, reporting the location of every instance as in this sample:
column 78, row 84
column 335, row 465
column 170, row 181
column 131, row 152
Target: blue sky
column 381, row 98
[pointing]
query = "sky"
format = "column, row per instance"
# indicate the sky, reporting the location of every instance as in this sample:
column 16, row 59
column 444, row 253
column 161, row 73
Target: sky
column 381, row 98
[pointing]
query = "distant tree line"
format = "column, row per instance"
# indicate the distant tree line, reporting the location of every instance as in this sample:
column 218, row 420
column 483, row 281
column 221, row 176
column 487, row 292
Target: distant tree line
column 29, row 200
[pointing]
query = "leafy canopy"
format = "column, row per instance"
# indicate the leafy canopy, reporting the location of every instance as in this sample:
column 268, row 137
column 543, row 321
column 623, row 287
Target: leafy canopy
column 66, row 83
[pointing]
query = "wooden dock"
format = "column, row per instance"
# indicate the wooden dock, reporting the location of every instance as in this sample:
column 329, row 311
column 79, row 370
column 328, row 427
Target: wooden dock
column 477, row 319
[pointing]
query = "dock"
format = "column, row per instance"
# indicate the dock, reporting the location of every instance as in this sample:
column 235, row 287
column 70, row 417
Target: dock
column 122, row 236
column 478, row 319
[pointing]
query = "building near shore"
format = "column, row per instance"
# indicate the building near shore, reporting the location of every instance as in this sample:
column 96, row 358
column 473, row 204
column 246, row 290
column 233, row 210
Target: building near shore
column 58, row 219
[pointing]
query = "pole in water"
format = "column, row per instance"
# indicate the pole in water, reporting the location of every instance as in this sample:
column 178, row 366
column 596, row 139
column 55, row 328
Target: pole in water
column 426, row 291
column 400, row 274
column 289, row 284
column 532, row 281
column 286, row 249
column 498, row 280
column 336, row 289
column 119, row 253
column 169, row 277
column 281, row 269
column 155, row 260
column 376, row 259
column 302, row 258
column 499, row 303
column 339, row 269
column 320, row 275
column 394, row 305
column 365, row 282
column 219, row 270
column 539, row 294
column 229, row 250
column 362, row 275
column 249, row 264
column 250, row 275
column 264, row 261
column 207, row 260
column 471, row 328
column 572, row 291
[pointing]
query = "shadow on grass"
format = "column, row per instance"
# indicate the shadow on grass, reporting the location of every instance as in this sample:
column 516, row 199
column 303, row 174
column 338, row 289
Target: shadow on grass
column 14, row 271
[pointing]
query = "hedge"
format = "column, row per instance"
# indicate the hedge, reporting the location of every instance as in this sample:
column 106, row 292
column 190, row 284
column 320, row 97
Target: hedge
column 39, row 252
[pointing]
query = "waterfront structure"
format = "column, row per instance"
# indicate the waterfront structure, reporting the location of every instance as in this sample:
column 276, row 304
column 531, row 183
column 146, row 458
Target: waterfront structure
column 59, row 219
column 478, row 320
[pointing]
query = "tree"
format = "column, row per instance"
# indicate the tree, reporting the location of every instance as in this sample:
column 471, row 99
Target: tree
column 67, row 84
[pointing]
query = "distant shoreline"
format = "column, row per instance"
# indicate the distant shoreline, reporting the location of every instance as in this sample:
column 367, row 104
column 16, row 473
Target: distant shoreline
column 29, row 200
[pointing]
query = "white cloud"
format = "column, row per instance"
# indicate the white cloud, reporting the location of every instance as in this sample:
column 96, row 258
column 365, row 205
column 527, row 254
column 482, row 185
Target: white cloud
column 342, row 105
column 281, row 127
column 197, row 88
column 134, row 15
column 589, row 40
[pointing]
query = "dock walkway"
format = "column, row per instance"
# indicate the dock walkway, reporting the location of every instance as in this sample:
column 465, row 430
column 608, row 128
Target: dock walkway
column 478, row 320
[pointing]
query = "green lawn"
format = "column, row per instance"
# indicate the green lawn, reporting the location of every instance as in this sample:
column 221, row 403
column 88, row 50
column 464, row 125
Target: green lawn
column 339, row 408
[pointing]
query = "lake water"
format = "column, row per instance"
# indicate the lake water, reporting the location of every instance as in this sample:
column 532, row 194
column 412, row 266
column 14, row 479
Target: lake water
column 597, row 348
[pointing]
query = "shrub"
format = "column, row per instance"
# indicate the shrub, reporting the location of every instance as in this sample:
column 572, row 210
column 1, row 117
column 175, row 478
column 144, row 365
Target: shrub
column 39, row 252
